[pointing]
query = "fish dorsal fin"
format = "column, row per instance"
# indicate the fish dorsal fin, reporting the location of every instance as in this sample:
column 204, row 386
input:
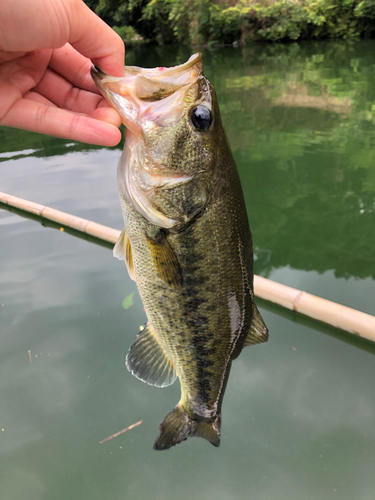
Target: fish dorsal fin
column 148, row 361
column 123, row 251
column 165, row 260
column 258, row 331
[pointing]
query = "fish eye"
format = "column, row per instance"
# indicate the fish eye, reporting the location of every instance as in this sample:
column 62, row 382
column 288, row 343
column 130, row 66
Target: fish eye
column 201, row 117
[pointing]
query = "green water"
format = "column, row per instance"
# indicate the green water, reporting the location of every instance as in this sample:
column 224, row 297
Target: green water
column 299, row 412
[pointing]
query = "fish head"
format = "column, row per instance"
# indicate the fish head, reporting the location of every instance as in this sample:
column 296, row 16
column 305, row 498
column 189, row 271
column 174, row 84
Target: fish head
column 173, row 129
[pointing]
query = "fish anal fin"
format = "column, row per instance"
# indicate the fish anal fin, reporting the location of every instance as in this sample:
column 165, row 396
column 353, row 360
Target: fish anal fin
column 177, row 426
column 165, row 260
column 258, row 332
column 148, row 361
column 123, row 251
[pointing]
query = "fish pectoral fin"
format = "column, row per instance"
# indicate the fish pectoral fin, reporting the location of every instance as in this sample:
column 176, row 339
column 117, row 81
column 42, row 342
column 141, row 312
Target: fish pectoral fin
column 258, row 331
column 148, row 361
column 119, row 248
column 165, row 260
column 123, row 251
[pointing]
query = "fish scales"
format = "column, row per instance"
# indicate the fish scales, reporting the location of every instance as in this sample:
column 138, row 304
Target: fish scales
column 186, row 242
column 193, row 322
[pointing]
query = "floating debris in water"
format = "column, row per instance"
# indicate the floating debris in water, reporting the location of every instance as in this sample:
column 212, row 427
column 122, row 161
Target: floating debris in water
column 121, row 432
column 128, row 301
column 30, row 356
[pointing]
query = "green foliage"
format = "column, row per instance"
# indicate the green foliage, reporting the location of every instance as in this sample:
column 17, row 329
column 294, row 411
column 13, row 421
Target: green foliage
column 165, row 16
column 205, row 21
column 128, row 34
column 303, row 19
column 227, row 25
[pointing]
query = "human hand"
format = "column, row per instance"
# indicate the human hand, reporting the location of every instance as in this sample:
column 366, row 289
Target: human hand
column 45, row 82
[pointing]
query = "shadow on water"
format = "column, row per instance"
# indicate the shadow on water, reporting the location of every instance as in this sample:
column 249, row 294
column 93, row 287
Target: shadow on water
column 54, row 225
column 305, row 321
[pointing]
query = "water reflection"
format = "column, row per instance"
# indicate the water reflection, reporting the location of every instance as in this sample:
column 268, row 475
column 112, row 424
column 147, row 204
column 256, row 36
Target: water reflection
column 300, row 122
column 301, row 129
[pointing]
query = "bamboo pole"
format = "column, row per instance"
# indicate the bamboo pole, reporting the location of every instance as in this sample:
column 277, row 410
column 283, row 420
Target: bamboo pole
column 83, row 225
column 331, row 313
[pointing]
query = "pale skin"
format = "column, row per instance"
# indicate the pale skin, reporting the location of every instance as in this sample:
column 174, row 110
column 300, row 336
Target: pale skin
column 47, row 48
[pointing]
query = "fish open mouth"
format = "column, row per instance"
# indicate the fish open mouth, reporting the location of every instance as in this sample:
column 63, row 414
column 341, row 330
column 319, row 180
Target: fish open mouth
column 155, row 95
column 151, row 101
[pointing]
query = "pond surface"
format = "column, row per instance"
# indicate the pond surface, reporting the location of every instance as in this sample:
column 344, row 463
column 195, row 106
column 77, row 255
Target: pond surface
column 299, row 411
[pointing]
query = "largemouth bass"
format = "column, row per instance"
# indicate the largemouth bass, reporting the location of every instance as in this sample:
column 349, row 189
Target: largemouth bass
column 186, row 243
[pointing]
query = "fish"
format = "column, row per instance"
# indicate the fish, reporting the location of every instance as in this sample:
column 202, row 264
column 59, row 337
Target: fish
column 186, row 242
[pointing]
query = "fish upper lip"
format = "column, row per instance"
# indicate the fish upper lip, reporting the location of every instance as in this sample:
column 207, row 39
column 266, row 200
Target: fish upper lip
column 192, row 61
column 195, row 59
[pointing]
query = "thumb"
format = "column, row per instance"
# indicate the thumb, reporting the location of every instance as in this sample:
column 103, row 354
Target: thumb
column 29, row 25
column 93, row 38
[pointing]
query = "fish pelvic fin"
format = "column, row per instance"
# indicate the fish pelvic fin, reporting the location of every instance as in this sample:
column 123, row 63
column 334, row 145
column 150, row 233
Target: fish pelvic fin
column 177, row 426
column 148, row 361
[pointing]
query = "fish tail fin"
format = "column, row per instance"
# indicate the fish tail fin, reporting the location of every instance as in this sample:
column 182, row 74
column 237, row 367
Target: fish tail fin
column 177, row 426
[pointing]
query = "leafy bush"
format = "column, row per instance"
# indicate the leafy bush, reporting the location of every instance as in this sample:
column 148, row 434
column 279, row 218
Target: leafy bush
column 128, row 34
column 204, row 21
column 171, row 18
column 227, row 25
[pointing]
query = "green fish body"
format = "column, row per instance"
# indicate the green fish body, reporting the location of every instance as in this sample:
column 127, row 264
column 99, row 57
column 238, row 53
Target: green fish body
column 186, row 242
